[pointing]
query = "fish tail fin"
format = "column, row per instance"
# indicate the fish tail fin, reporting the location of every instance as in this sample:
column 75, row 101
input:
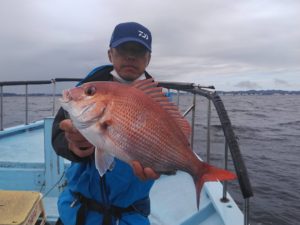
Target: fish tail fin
column 210, row 173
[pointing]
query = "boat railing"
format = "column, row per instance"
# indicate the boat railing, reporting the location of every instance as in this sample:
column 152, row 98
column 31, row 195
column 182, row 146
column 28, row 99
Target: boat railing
column 26, row 84
column 210, row 94
column 231, row 141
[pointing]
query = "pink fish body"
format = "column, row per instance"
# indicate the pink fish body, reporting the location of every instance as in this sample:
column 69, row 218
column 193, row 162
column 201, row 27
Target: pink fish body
column 137, row 122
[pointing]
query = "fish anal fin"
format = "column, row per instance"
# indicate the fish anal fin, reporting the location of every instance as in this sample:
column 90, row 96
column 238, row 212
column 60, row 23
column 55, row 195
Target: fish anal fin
column 150, row 88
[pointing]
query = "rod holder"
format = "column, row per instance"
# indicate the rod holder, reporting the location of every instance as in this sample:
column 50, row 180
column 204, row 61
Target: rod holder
column 246, row 211
column 224, row 198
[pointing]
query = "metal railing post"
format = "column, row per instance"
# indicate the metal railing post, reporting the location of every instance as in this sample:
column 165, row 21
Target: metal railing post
column 193, row 121
column 177, row 102
column 1, row 105
column 224, row 197
column 54, row 165
column 208, row 131
column 27, row 83
column 246, row 211
column 26, row 104
column 53, row 96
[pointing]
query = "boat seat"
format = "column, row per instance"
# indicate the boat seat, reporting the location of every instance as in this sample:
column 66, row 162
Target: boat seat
column 21, row 208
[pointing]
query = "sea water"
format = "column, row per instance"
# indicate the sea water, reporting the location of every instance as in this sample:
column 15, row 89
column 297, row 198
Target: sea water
column 268, row 131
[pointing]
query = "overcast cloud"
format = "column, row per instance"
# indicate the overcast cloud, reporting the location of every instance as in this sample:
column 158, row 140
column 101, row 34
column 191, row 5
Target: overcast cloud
column 232, row 44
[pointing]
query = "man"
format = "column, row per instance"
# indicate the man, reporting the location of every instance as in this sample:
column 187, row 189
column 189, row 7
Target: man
column 121, row 196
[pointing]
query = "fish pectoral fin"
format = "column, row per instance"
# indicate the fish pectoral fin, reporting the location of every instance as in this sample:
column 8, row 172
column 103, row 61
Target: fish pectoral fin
column 105, row 124
column 103, row 161
column 105, row 120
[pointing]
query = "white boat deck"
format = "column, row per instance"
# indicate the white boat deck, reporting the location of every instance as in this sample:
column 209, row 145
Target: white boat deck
column 19, row 145
column 173, row 201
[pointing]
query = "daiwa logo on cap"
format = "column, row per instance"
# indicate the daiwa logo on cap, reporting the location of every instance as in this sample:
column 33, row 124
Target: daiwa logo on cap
column 131, row 31
column 143, row 35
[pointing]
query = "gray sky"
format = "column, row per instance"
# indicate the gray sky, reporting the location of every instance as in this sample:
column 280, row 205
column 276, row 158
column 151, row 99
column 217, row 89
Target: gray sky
column 232, row 44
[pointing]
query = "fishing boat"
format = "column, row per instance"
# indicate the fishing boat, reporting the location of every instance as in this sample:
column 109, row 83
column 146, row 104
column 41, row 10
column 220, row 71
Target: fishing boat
column 29, row 190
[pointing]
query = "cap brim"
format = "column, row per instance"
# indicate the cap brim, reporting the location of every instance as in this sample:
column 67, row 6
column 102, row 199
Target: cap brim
column 123, row 40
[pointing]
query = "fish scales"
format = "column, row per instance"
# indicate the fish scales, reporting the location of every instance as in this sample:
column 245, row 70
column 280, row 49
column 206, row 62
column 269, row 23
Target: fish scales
column 152, row 123
column 149, row 155
column 139, row 135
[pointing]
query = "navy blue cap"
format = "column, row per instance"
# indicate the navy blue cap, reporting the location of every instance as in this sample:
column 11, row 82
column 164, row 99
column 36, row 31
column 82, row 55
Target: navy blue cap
column 131, row 31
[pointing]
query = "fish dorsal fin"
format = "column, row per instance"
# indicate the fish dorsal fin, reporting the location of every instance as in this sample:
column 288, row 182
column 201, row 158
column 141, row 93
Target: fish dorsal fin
column 150, row 88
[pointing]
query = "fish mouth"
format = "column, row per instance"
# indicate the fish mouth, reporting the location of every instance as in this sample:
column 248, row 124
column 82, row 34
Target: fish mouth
column 66, row 102
column 66, row 97
column 62, row 100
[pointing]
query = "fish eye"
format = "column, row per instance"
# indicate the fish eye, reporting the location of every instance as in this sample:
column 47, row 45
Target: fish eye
column 90, row 91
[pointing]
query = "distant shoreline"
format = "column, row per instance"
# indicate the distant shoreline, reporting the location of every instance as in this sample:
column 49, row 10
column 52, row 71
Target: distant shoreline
column 31, row 94
column 248, row 92
column 259, row 92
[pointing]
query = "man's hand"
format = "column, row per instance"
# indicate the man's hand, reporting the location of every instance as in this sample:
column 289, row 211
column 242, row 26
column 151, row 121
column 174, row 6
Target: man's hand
column 76, row 142
column 144, row 173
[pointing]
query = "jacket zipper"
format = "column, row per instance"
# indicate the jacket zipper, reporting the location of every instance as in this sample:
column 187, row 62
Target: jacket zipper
column 103, row 190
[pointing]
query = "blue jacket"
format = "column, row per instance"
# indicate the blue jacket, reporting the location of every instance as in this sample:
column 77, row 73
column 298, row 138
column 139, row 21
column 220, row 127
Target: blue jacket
column 119, row 187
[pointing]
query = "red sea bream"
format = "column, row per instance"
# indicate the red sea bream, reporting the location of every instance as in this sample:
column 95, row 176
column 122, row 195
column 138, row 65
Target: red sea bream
column 137, row 122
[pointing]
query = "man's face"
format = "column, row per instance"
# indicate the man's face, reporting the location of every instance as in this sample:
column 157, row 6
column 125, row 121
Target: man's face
column 129, row 60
